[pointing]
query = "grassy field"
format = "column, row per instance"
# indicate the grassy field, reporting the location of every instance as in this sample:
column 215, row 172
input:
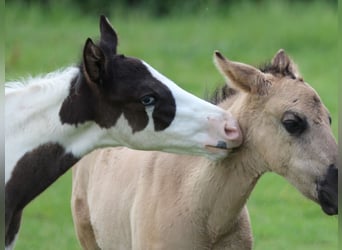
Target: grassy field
column 181, row 47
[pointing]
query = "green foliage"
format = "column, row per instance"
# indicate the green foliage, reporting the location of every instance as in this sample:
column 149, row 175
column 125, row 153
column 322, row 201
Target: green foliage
column 155, row 7
column 181, row 46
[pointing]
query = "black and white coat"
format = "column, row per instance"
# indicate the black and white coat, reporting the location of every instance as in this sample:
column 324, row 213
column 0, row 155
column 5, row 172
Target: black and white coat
column 109, row 100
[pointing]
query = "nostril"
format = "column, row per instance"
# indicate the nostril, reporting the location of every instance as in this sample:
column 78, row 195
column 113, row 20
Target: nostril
column 328, row 191
column 233, row 133
column 332, row 166
column 332, row 171
column 228, row 130
column 332, row 175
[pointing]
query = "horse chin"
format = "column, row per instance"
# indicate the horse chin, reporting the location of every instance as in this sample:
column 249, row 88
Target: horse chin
column 216, row 149
column 217, row 153
column 328, row 203
column 330, row 210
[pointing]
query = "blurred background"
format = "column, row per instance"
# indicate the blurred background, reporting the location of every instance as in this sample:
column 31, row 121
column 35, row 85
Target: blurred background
column 178, row 39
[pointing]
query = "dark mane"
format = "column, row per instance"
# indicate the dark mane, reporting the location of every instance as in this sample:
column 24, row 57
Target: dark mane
column 221, row 93
column 276, row 70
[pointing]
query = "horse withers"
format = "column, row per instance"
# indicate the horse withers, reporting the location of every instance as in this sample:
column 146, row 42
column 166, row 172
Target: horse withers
column 125, row 199
column 109, row 100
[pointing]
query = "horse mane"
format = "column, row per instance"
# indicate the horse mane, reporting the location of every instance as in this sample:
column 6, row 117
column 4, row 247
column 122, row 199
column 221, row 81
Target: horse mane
column 221, row 93
column 276, row 70
column 39, row 80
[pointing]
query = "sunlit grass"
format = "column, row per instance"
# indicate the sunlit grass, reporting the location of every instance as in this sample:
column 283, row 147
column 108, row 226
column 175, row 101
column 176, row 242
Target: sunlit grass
column 181, row 47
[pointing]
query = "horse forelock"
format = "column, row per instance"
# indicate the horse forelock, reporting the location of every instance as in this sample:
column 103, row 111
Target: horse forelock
column 276, row 70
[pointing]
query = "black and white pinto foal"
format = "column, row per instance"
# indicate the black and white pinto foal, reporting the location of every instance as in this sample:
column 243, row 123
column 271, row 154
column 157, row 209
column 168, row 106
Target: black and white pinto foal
column 110, row 100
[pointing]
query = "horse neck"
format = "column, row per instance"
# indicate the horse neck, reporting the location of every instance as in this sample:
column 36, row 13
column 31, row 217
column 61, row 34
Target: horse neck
column 41, row 95
column 225, row 186
column 33, row 112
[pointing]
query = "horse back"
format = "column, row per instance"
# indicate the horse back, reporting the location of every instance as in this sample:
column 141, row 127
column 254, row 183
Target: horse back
column 116, row 191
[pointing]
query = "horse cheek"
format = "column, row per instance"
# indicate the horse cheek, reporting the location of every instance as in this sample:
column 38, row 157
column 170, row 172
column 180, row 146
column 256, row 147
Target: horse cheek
column 163, row 115
column 136, row 116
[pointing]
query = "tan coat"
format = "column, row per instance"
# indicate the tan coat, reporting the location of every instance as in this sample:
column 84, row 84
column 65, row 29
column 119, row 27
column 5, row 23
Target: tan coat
column 125, row 199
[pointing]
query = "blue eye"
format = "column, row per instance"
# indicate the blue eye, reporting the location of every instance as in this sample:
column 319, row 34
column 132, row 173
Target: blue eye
column 148, row 100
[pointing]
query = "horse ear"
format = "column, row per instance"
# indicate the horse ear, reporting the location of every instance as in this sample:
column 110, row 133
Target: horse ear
column 242, row 76
column 109, row 38
column 285, row 65
column 93, row 61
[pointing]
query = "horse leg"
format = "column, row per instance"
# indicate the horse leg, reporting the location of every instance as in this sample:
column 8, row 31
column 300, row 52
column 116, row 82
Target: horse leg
column 12, row 225
column 83, row 227
column 80, row 210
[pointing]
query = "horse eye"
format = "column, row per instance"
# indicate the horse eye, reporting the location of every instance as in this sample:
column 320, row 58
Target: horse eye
column 148, row 100
column 294, row 124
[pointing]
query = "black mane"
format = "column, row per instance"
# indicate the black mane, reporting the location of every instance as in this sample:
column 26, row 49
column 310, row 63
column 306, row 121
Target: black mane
column 221, row 93
column 276, row 70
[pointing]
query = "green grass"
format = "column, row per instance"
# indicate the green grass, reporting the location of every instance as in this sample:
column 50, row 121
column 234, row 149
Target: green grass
column 181, row 47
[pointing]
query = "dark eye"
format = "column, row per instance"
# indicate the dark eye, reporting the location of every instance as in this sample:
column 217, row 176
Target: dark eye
column 293, row 123
column 148, row 100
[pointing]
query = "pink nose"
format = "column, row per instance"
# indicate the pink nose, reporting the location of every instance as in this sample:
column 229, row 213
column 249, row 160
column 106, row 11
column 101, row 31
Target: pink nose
column 233, row 133
column 227, row 131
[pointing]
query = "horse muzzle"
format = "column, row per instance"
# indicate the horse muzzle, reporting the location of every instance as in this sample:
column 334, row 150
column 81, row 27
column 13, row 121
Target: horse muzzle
column 327, row 190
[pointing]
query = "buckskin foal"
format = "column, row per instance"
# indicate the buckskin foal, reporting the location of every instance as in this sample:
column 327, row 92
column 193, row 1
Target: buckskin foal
column 125, row 199
column 110, row 100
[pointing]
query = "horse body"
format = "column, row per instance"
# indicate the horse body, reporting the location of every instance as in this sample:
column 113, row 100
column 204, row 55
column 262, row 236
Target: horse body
column 125, row 199
column 159, row 201
column 109, row 100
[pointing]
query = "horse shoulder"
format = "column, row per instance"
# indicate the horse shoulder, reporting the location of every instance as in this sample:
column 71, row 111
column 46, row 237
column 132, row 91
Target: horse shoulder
column 105, row 184
column 81, row 187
